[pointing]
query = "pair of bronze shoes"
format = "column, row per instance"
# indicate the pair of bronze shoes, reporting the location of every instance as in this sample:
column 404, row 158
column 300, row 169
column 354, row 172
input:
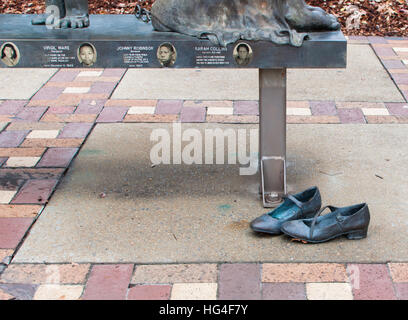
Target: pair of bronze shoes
column 299, row 216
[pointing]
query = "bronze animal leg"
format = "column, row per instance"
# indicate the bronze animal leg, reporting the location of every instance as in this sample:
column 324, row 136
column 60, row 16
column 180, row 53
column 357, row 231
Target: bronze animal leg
column 303, row 17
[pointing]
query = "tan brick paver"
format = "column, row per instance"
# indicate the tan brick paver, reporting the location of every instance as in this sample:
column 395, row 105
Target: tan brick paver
column 45, row 274
column 19, row 211
column 175, row 273
column 304, row 272
column 399, row 272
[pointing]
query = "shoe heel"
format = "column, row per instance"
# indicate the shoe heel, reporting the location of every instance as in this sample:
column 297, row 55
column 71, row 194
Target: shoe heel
column 357, row 235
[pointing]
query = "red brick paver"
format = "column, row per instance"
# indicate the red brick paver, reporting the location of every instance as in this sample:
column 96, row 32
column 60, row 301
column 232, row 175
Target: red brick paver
column 149, row 292
column 374, row 283
column 35, row 191
column 240, row 282
column 283, row 291
column 57, row 157
column 108, row 282
column 12, row 231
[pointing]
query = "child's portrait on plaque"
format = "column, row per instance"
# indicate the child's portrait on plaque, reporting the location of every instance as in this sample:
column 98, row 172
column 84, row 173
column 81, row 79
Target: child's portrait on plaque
column 166, row 54
column 10, row 55
column 243, row 54
column 87, row 54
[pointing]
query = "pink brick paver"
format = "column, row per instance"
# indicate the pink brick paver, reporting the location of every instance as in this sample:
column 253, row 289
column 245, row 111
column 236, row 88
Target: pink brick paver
column 48, row 93
column 61, row 110
column 113, row 72
column 384, row 51
column 246, row 107
column 11, row 139
column 35, row 191
column 57, row 157
column 400, row 78
column 401, row 290
column 240, row 282
column 108, row 282
column 323, row 108
column 87, row 106
column 374, row 282
column 103, row 87
column 65, row 76
column 12, row 231
column 30, row 114
column 376, row 39
column 393, row 64
column 112, row 114
column 192, row 115
column 12, row 107
column 75, row 130
column 19, row 291
column 149, row 292
column 398, row 109
column 5, row 296
column 169, row 106
column 283, row 291
column 351, row 115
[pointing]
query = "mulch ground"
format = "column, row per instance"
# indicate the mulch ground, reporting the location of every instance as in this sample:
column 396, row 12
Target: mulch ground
column 373, row 17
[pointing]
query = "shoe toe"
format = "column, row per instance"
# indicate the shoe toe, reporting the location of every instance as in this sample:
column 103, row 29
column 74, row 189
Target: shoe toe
column 295, row 228
column 266, row 223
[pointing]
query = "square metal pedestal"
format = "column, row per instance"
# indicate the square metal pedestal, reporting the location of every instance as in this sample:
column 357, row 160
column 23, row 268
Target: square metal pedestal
column 272, row 135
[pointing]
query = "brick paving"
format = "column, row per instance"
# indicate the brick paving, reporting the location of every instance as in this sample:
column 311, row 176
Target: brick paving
column 238, row 281
column 40, row 137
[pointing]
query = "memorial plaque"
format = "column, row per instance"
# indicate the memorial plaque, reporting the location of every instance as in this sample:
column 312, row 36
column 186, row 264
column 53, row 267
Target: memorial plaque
column 122, row 41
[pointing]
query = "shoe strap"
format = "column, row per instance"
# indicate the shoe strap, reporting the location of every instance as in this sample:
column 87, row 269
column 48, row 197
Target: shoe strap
column 294, row 200
column 317, row 215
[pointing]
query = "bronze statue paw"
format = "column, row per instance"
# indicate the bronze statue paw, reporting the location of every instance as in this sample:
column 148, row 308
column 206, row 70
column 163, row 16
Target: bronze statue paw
column 74, row 22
